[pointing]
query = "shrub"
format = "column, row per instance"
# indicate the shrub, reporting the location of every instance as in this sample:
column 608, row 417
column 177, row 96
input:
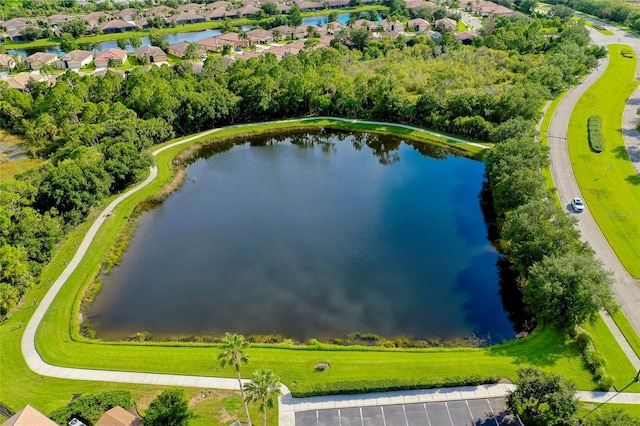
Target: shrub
column 595, row 363
column 596, row 140
column 90, row 408
column 303, row 390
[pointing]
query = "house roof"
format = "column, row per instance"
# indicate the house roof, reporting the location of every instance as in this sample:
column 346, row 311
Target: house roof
column 118, row 416
column 149, row 51
column 249, row 10
column 111, row 54
column 260, row 33
column 6, row 60
column 180, row 46
column 209, row 42
column 77, row 55
column 186, row 16
column 117, row 23
column 29, row 416
column 41, row 57
column 125, row 12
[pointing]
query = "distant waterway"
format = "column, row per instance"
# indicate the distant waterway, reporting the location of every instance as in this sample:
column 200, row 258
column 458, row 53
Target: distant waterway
column 312, row 235
column 192, row 36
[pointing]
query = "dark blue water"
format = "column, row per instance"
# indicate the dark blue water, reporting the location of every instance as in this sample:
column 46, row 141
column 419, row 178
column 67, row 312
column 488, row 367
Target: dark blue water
column 315, row 235
column 192, row 36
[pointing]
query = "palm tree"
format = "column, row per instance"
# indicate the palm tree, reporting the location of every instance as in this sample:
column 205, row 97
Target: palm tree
column 232, row 353
column 277, row 35
column 263, row 389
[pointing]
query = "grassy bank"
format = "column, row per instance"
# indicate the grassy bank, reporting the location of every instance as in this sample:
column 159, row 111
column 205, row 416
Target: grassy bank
column 608, row 180
column 59, row 344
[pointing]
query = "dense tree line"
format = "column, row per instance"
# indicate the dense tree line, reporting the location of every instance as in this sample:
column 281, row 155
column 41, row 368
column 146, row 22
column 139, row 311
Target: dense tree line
column 607, row 10
column 562, row 282
column 96, row 131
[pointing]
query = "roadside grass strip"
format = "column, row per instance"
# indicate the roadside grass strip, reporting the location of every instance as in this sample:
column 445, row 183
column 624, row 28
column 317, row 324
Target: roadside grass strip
column 59, row 343
column 618, row 365
column 608, row 181
column 627, row 330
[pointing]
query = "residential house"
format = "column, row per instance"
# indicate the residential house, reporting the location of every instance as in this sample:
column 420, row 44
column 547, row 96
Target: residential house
column 489, row 8
column 96, row 18
column 115, row 27
column 7, row 62
column 17, row 24
column 189, row 7
column 418, row 25
column 29, row 416
column 290, row 33
column 129, row 14
column 236, row 40
column 391, row 25
column 334, row 27
column 116, row 56
column 338, row 4
column 307, row 6
column 215, row 14
column 262, row 36
column 142, row 23
column 446, row 25
column 363, row 23
column 153, row 53
column 210, row 44
column 40, row 59
column 161, row 11
column 283, row 7
column 118, row 416
column 466, row 37
column 59, row 19
column 187, row 18
column 75, row 60
column 218, row 4
column 416, row 5
column 180, row 49
column 248, row 11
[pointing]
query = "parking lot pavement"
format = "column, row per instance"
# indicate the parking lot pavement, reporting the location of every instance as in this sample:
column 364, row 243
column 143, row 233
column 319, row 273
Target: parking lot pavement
column 485, row 412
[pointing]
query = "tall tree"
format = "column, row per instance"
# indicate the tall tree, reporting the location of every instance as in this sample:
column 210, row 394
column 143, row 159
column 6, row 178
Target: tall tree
column 233, row 353
column 568, row 289
column 170, row 408
column 263, row 389
column 543, row 399
column 295, row 16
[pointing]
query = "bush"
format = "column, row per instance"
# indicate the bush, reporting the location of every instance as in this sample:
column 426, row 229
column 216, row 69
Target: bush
column 596, row 140
column 595, row 363
column 90, row 408
column 303, row 390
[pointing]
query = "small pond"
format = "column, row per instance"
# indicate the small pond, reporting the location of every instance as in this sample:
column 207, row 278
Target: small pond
column 312, row 235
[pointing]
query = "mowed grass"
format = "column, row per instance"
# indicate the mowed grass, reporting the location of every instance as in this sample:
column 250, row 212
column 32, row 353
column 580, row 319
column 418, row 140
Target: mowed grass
column 618, row 365
column 628, row 331
column 608, row 180
column 59, row 344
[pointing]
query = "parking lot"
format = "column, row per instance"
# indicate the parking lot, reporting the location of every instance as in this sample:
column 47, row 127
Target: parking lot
column 488, row 411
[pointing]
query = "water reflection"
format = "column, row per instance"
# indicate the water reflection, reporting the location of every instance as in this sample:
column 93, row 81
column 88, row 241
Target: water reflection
column 311, row 234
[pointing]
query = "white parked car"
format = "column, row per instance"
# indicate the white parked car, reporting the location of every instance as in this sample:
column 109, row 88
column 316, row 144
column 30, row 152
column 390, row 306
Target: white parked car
column 577, row 205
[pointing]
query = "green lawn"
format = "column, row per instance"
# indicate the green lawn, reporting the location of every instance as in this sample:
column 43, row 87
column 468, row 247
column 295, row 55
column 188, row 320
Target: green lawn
column 629, row 333
column 59, row 344
column 608, row 181
column 590, row 24
column 618, row 365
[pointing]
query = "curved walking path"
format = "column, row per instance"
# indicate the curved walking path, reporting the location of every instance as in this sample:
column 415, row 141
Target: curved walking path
column 28, row 346
column 288, row 405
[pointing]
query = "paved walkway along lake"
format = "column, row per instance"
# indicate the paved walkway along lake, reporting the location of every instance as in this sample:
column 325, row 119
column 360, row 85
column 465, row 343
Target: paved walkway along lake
column 288, row 405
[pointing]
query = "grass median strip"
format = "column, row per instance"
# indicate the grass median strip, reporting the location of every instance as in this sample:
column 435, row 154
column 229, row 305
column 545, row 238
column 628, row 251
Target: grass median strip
column 608, row 180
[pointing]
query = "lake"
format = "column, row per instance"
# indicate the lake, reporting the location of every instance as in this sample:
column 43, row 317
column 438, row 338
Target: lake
column 192, row 36
column 312, row 235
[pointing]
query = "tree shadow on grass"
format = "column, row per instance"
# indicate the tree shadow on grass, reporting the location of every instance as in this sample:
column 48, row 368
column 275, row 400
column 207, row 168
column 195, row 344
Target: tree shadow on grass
column 620, row 153
column 633, row 179
column 542, row 349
